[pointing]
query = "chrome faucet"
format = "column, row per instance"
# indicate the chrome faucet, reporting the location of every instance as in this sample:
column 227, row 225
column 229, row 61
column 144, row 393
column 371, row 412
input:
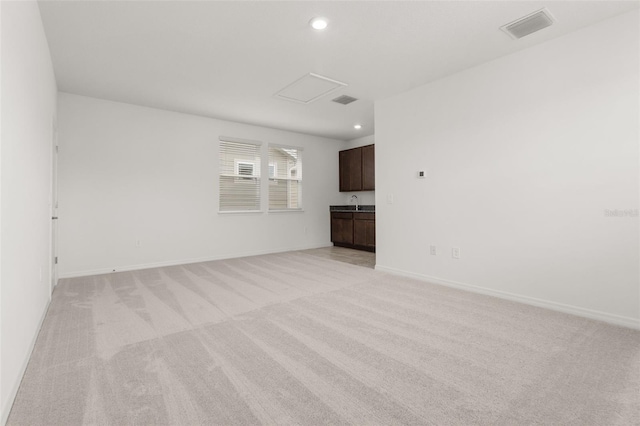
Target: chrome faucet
column 356, row 197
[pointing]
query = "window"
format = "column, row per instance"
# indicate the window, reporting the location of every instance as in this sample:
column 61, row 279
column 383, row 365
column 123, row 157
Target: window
column 241, row 166
column 239, row 175
column 285, row 186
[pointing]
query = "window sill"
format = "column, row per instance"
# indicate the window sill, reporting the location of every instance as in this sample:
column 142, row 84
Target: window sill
column 287, row 211
column 233, row 212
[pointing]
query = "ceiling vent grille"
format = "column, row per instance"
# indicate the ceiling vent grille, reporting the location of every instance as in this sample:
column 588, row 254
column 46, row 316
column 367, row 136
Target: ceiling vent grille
column 528, row 24
column 344, row 99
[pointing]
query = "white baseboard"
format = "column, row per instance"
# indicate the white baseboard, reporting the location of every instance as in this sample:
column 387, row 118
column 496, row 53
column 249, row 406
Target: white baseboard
column 6, row 410
column 100, row 271
column 548, row 304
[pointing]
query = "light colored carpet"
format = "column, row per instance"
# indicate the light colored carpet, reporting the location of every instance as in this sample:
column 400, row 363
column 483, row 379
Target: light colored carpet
column 294, row 338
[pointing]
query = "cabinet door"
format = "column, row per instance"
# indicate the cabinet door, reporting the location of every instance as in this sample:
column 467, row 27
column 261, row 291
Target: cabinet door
column 368, row 168
column 345, row 184
column 342, row 228
column 364, row 233
column 351, row 170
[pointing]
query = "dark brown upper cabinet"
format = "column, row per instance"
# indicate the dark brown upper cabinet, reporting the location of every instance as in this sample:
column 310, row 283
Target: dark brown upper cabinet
column 357, row 169
column 351, row 170
column 368, row 168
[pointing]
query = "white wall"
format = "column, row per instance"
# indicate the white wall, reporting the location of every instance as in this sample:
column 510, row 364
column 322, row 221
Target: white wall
column 523, row 155
column 28, row 99
column 364, row 197
column 130, row 173
column 362, row 141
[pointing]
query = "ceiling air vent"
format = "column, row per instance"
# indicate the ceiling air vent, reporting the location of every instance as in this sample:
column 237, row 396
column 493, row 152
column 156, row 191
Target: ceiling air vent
column 344, row 100
column 528, row 24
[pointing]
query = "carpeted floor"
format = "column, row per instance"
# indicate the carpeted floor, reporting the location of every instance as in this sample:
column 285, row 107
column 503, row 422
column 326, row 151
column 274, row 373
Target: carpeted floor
column 294, row 338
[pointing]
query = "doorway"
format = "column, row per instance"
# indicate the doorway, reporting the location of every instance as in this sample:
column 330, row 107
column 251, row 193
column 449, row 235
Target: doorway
column 54, row 205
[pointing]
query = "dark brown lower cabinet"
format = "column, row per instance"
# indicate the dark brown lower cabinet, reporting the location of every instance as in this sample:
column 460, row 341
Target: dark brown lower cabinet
column 364, row 229
column 342, row 228
column 354, row 230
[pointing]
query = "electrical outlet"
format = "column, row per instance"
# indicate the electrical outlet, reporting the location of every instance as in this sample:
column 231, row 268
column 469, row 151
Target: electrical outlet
column 433, row 250
column 455, row 252
column 390, row 199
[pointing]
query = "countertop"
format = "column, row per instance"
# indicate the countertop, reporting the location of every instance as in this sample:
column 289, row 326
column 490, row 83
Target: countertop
column 350, row 208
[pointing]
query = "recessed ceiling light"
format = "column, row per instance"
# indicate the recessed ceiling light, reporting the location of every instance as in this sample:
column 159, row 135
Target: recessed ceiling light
column 358, row 126
column 318, row 23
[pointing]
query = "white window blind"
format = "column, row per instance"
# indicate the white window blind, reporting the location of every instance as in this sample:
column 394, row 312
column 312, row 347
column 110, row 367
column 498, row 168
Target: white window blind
column 239, row 175
column 285, row 185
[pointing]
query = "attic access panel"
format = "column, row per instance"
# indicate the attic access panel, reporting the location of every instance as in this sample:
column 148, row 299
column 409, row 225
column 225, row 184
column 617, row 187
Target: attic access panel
column 309, row 88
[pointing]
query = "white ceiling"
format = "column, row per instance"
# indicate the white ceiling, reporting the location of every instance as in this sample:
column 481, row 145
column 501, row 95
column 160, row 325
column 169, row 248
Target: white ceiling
column 227, row 59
